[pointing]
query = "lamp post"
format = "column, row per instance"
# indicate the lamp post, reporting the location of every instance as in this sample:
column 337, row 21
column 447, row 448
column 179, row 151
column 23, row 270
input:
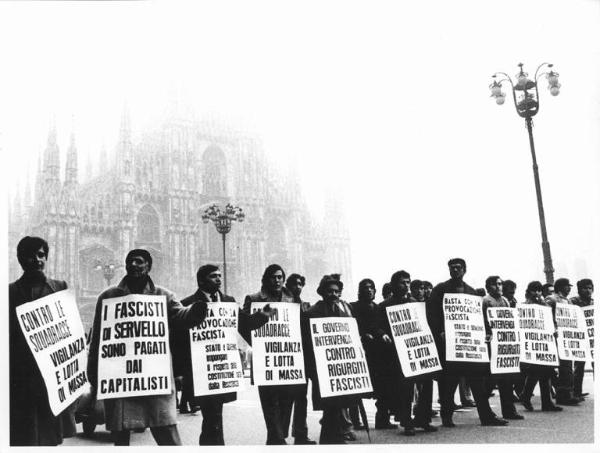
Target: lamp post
column 222, row 221
column 108, row 270
column 527, row 103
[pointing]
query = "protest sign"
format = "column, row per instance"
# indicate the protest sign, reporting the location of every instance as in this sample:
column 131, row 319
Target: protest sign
column 536, row 330
column 134, row 358
column 53, row 330
column 505, row 348
column 572, row 339
column 588, row 313
column 339, row 357
column 277, row 357
column 413, row 339
column 216, row 364
column 465, row 332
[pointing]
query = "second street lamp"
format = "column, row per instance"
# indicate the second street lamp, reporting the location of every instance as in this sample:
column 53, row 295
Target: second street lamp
column 527, row 103
column 222, row 221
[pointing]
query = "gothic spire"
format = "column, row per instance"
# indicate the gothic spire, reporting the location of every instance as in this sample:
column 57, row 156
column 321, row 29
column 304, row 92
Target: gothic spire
column 71, row 166
column 51, row 170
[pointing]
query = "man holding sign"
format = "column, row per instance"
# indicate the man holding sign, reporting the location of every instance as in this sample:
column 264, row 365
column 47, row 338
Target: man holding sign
column 32, row 422
column 211, row 405
column 156, row 409
column 474, row 372
column 584, row 299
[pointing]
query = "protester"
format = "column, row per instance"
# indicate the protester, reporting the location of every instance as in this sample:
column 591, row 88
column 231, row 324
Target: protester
column 208, row 278
column 295, row 284
column 32, row 422
column 509, row 288
column 547, row 289
column 158, row 412
column 332, row 422
column 585, row 290
column 534, row 373
column 276, row 400
column 386, row 290
column 494, row 298
column 428, row 287
column 474, row 373
column 564, row 388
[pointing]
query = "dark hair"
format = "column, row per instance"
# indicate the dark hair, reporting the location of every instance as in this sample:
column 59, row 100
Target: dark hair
column 269, row 271
column 480, row 292
column 386, row 289
column 584, row 282
column 396, row 276
column 293, row 277
column 545, row 286
column 458, row 261
column 205, row 271
column 491, row 279
column 561, row 283
column 509, row 285
column 415, row 285
column 29, row 245
column 363, row 283
column 427, row 284
column 139, row 252
column 327, row 280
column 534, row 286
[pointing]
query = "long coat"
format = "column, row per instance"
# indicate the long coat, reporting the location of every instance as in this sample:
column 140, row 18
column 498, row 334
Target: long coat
column 182, row 360
column 142, row 411
column 31, row 419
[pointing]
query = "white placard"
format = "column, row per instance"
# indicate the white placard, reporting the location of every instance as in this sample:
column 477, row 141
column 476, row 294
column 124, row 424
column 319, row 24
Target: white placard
column 536, row 328
column 465, row 332
column 54, row 332
column 339, row 357
column 216, row 364
column 413, row 339
column 505, row 348
column 277, row 357
column 588, row 313
column 134, row 358
column 572, row 341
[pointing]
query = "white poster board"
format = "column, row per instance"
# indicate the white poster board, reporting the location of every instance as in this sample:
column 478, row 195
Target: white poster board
column 54, row 332
column 464, row 329
column 536, row 327
column 134, row 358
column 588, row 313
column 414, row 342
column 505, row 348
column 339, row 357
column 572, row 341
column 216, row 364
column 277, row 357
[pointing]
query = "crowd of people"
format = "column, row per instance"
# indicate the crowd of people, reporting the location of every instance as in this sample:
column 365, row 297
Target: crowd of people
column 398, row 398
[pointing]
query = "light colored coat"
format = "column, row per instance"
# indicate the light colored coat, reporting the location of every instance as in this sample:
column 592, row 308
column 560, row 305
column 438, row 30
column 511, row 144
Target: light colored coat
column 144, row 411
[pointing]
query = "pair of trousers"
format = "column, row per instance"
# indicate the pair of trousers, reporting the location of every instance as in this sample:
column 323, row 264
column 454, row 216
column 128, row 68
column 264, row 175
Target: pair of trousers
column 299, row 426
column 564, row 387
column 505, row 387
column 332, row 426
column 447, row 387
column 163, row 435
column 578, row 374
column 276, row 405
column 530, row 382
column 212, row 423
column 424, row 401
column 405, row 402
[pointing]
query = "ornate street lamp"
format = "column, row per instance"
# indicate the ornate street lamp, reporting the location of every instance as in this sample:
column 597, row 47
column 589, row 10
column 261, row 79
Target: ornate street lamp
column 108, row 270
column 222, row 221
column 527, row 103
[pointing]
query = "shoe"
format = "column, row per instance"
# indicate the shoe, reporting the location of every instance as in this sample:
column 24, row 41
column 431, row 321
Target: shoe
column 194, row 409
column 568, row 402
column 304, row 441
column 456, row 407
column 350, row 436
column 447, row 422
column 434, row 413
column 527, row 404
column 385, row 425
column 409, row 431
column 552, row 408
column 427, row 427
column 358, row 427
column 494, row 422
column 468, row 403
column 514, row 416
column 584, row 394
column 581, row 399
column 184, row 410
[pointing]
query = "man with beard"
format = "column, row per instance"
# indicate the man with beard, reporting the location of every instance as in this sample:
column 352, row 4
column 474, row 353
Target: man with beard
column 494, row 299
column 585, row 290
column 276, row 400
column 449, row 377
column 208, row 278
column 155, row 411
column 295, row 284
column 32, row 422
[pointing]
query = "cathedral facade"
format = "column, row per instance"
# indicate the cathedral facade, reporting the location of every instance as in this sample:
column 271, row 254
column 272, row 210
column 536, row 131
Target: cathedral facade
column 153, row 195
